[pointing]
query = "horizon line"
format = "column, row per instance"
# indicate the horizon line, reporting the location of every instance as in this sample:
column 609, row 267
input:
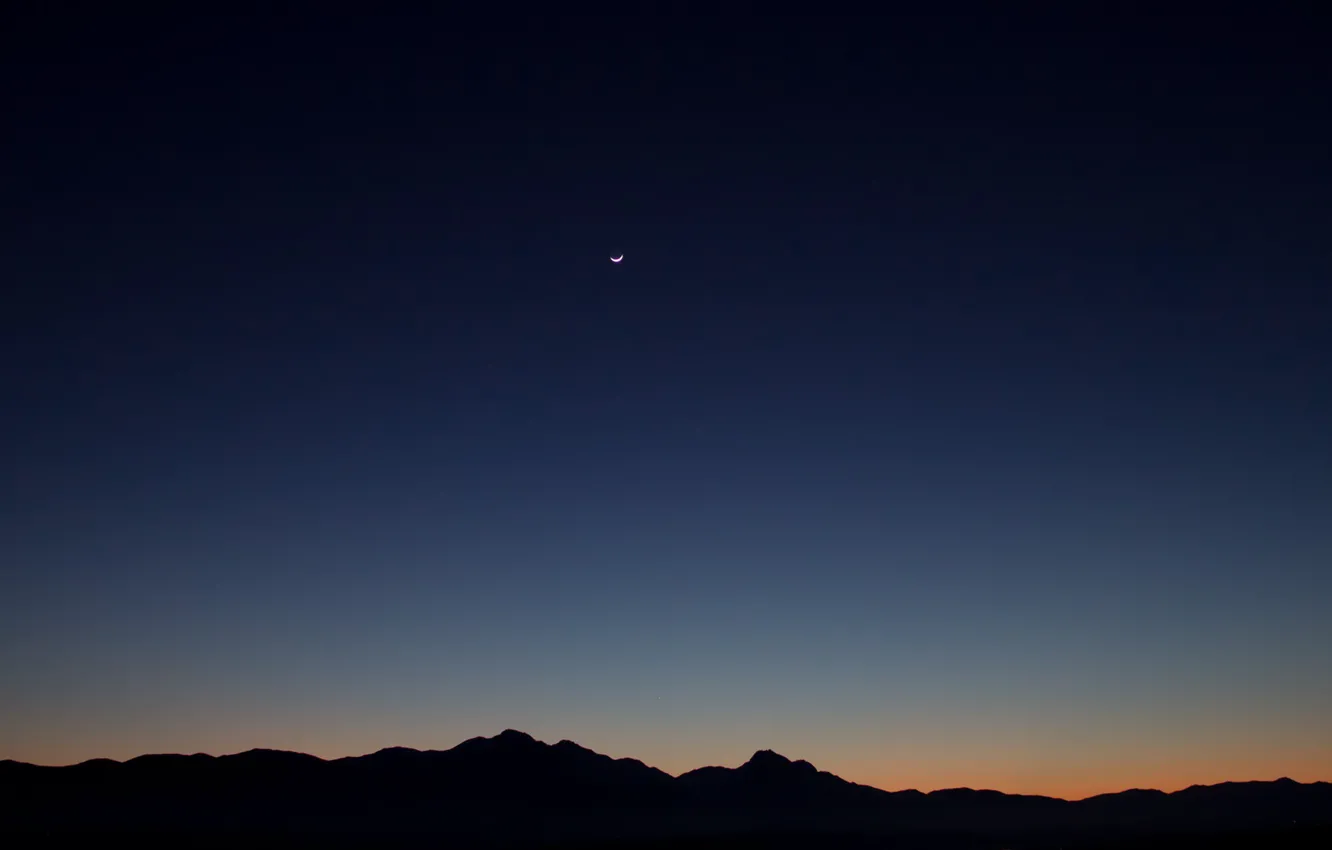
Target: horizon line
column 323, row 759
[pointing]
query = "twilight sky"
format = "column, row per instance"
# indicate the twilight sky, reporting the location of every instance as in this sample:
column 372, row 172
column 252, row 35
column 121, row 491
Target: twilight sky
column 959, row 414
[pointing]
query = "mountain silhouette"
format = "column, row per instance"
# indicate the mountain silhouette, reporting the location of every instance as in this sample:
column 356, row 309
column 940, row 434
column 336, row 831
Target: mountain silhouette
column 772, row 779
column 514, row 787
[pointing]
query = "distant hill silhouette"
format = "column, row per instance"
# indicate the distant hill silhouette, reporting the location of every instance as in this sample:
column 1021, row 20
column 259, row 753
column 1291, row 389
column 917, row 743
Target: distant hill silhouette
column 514, row 787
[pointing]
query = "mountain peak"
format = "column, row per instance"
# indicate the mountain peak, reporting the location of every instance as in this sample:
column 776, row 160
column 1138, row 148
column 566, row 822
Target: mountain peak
column 768, row 761
column 567, row 746
column 509, row 741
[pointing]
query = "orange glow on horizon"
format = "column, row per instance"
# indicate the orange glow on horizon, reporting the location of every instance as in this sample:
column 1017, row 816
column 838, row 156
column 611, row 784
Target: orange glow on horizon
column 925, row 767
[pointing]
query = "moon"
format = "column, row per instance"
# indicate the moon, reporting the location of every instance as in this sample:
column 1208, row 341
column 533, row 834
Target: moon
column 617, row 259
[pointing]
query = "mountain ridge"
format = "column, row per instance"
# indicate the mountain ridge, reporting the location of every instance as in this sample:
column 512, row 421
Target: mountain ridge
column 517, row 785
column 765, row 757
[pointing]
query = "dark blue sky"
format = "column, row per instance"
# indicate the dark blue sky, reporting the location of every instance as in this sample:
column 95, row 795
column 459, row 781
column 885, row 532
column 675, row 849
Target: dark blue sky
column 958, row 414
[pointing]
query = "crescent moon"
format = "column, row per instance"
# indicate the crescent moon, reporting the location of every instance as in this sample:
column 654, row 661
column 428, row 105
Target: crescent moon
column 617, row 259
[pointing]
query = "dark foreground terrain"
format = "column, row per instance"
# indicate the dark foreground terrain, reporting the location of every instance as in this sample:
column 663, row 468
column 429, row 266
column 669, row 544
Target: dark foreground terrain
column 514, row 791
column 1311, row 838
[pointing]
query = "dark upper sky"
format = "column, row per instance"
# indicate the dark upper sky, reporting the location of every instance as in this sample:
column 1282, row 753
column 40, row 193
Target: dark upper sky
column 958, row 415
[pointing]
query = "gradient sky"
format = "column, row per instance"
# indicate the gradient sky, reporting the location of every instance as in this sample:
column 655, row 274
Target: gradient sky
column 959, row 414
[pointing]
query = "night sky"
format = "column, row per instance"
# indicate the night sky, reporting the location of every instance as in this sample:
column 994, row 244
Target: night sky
column 959, row 414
